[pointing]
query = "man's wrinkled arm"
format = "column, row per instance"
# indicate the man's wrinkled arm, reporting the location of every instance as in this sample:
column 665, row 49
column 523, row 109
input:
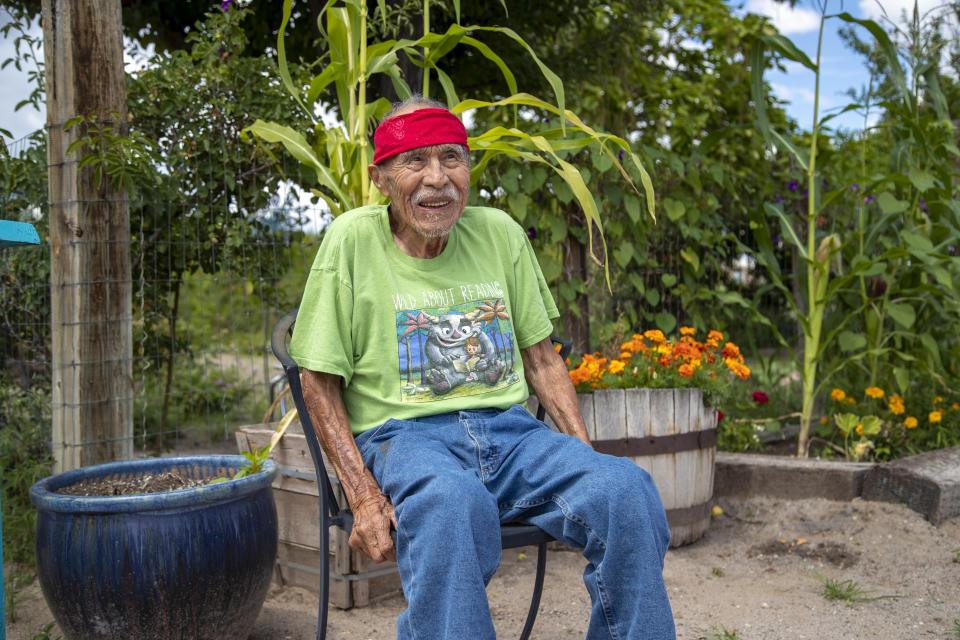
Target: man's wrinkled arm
column 372, row 511
column 547, row 376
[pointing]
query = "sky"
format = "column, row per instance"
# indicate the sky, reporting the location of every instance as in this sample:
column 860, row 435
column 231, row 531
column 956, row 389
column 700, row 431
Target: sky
column 842, row 69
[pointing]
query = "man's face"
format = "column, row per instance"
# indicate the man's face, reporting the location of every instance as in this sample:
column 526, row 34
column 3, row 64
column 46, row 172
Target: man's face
column 427, row 187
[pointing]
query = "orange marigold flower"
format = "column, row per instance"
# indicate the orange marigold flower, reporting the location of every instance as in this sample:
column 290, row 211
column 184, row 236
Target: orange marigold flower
column 731, row 350
column 655, row 336
column 625, row 355
column 687, row 331
column 874, row 392
column 716, row 336
column 955, row 406
column 617, row 366
column 896, row 405
column 665, row 360
column 860, row 429
column 838, row 395
column 685, row 371
column 910, row 422
column 935, row 417
column 938, row 399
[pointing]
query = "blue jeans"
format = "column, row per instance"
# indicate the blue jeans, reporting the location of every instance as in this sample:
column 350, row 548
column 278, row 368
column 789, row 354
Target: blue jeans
column 453, row 478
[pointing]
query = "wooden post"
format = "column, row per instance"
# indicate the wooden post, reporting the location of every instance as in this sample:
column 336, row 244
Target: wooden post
column 90, row 282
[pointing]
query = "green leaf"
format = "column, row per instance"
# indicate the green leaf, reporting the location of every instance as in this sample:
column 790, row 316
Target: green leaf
column 902, row 376
column 653, row 297
column 785, row 47
column 637, row 282
column 887, row 47
column 298, row 147
column 623, row 254
column 786, row 229
column 668, row 279
column 902, row 313
column 917, row 241
column 921, row 179
column 690, row 255
column 850, row 341
column 518, row 205
column 632, row 204
column 674, row 208
column 666, row 322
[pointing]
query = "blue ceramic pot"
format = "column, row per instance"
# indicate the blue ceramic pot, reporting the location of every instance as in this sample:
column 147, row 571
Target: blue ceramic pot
column 188, row 564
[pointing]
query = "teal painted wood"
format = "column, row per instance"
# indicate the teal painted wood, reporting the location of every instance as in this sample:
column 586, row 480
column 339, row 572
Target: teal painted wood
column 14, row 234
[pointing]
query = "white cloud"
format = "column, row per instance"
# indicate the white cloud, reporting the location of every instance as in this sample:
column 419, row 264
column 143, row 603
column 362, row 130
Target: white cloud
column 895, row 8
column 792, row 94
column 787, row 19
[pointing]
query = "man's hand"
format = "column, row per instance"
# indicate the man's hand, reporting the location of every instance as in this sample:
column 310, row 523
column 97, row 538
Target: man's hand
column 372, row 518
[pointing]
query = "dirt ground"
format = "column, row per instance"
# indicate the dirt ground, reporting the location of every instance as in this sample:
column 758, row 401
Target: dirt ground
column 753, row 576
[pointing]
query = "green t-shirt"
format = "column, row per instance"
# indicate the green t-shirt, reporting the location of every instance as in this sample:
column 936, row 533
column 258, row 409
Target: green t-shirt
column 414, row 337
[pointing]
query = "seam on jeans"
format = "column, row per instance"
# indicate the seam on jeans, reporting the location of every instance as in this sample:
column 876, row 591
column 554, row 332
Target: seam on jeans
column 605, row 604
column 601, row 589
column 406, row 541
column 476, row 444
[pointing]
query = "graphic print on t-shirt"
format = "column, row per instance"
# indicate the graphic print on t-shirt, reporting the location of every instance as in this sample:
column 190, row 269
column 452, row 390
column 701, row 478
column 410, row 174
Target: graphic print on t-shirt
column 461, row 350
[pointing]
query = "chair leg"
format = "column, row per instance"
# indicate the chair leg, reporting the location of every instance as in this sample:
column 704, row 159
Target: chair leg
column 537, row 591
column 324, row 580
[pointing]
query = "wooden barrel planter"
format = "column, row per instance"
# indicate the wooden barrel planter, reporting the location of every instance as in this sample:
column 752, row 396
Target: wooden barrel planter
column 669, row 433
column 190, row 564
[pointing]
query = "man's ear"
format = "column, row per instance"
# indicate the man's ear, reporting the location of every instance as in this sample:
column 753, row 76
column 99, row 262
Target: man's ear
column 379, row 179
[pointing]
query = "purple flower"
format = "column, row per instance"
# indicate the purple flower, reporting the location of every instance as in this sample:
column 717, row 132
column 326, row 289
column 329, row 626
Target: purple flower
column 620, row 155
column 854, row 186
column 532, row 233
column 225, row 5
column 794, row 185
column 218, row 383
column 776, row 239
column 779, row 199
column 824, row 182
column 868, row 199
column 923, row 205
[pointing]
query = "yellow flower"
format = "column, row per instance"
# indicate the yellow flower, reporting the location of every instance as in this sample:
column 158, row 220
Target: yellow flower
column 850, row 400
column 716, row 336
column 824, row 420
column 687, row 331
column 874, row 392
column 910, row 422
column 896, row 405
column 838, row 395
column 717, row 511
column 617, row 366
column 955, row 406
column 938, row 400
column 860, row 429
column 935, row 417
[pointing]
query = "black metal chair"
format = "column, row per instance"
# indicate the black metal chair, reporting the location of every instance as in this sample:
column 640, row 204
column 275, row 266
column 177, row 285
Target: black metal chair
column 333, row 514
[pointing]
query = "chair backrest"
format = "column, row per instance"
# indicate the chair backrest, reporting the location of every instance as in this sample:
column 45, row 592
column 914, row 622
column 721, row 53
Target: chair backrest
column 279, row 343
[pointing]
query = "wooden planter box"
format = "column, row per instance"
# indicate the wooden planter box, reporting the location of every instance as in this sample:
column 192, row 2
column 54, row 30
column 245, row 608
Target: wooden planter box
column 669, row 433
column 355, row 581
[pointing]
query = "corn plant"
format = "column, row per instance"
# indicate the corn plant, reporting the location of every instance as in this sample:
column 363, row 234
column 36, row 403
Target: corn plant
column 339, row 155
column 906, row 237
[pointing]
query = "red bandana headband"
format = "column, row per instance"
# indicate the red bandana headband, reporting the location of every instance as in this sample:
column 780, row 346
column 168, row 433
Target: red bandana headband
column 420, row 128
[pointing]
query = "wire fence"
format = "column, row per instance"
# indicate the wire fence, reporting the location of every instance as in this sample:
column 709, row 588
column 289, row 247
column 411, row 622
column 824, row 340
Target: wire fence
column 211, row 271
column 215, row 261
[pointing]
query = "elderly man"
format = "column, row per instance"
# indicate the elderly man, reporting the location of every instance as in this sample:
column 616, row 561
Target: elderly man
column 409, row 332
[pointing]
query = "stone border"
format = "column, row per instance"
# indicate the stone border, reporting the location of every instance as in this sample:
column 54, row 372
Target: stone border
column 928, row 483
